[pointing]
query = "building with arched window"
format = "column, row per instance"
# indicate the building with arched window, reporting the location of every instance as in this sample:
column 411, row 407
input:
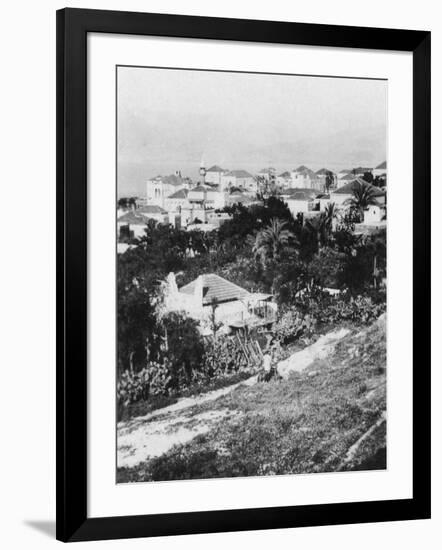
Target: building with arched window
column 161, row 187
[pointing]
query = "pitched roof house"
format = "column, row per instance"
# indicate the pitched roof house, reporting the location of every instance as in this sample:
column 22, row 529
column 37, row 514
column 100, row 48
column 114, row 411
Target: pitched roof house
column 344, row 193
column 215, row 288
column 214, row 174
column 211, row 295
column 239, row 178
column 160, row 187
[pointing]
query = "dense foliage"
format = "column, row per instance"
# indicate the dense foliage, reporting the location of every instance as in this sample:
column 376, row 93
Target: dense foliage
column 260, row 248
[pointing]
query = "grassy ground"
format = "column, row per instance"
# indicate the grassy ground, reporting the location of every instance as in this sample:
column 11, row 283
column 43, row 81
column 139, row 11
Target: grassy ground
column 305, row 424
column 141, row 408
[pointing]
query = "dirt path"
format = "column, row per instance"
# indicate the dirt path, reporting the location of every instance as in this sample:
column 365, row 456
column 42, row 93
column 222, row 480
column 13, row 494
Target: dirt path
column 155, row 438
column 157, row 432
column 323, row 346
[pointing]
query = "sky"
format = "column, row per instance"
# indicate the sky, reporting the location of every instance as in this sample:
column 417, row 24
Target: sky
column 174, row 119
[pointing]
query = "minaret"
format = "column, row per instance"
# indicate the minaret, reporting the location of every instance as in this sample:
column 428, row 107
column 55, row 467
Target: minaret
column 203, row 172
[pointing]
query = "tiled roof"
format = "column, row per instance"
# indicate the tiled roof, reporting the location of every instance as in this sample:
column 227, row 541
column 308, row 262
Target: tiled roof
column 133, row 218
column 170, row 180
column 305, row 171
column 239, row 174
column 216, row 288
column 151, row 209
column 290, row 193
column 200, row 189
column 348, row 177
column 215, row 168
column 180, row 194
column 323, row 172
column 361, row 169
column 348, row 188
column 382, row 166
column 284, row 175
column 299, row 195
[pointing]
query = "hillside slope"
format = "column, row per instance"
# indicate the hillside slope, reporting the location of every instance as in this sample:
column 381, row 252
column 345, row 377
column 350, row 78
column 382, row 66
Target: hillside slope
column 329, row 417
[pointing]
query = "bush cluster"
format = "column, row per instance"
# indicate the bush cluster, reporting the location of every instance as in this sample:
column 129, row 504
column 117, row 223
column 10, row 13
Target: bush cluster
column 293, row 325
column 222, row 357
column 328, row 309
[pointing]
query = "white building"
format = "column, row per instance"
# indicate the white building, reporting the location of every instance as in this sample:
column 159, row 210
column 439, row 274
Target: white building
column 359, row 171
column 374, row 214
column 153, row 212
column 300, row 200
column 342, row 196
column 132, row 225
column 322, row 175
column 344, row 176
column 380, row 170
column 267, row 174
column 161, row 187
column 283, row 180
column 214, row 174
column 208, row 196
column 239, row 178
column 211, row 296
column 304, row 178
column 176, row 201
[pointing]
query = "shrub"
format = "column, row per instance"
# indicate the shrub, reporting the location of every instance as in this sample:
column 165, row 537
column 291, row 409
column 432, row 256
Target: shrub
column 328, row 309
column 222, row 357
column 131, row 387
column 292, row 325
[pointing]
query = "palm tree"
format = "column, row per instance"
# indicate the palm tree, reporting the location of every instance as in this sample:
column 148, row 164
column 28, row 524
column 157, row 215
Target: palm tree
column 271, row 241
column 363, row 196
column 330, row 214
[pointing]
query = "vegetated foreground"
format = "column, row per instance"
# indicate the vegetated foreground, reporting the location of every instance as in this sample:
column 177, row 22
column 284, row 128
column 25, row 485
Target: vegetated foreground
column 329, row 417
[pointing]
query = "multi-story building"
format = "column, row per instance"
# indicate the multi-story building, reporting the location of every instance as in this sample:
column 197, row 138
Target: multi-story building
column 327, row 179
column 239, row 179
column 161, row 187
column 214, row 174
column 176, row 201
column 303, row 178
column 284, row 180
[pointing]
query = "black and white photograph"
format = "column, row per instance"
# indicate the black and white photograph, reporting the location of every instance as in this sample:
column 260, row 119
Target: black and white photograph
column 251, row 274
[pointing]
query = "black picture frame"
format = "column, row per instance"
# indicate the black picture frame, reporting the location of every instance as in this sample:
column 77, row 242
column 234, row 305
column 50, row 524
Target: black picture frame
column 73, row 25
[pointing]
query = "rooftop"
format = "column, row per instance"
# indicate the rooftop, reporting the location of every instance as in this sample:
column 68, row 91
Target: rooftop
column 180, row 194
column 361, row 169
column 216, row 168
column 200, row 188
column 239, row 174
column 348, row 188
column 323, row 172
column 300, row 196
column 169, row 180
column 304, row 171
column 133, row 218
column 216, row 288
column 294, row 193
column 382, row 166
column 151, row 209
column 348, row 177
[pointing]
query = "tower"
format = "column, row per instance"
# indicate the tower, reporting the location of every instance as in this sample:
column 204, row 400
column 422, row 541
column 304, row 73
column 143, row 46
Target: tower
column 203, row 172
